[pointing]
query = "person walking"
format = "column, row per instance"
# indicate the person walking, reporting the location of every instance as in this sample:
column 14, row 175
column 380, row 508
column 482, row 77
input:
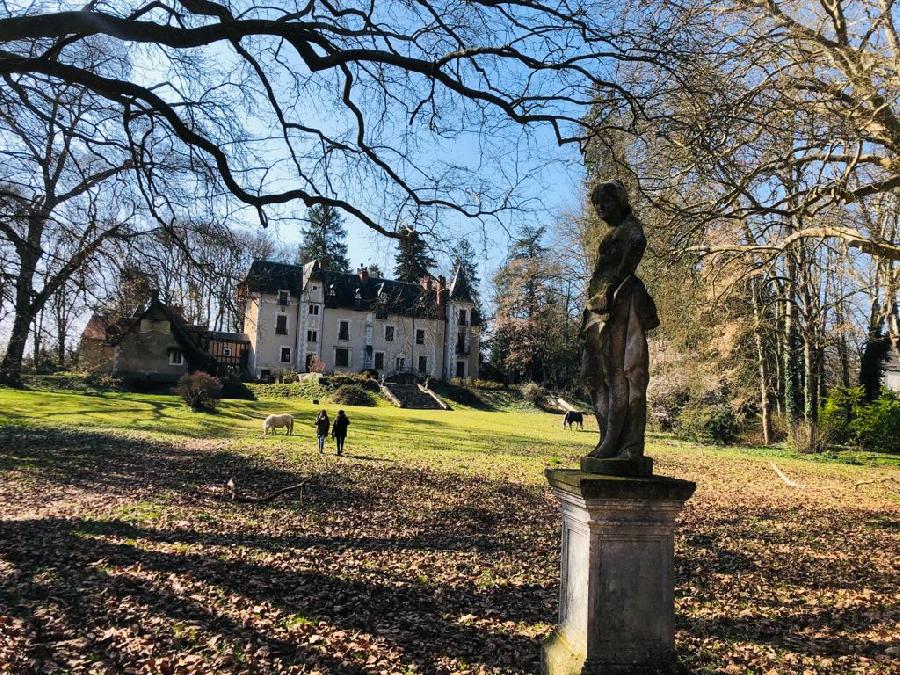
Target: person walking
column 322, row 423
column 339, row 430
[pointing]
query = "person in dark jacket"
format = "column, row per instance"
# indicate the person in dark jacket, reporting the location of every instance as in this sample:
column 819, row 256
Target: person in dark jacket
column 322, row 423
column 339, row 430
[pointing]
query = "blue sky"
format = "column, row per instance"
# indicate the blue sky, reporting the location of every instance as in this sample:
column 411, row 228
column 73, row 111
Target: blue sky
column 480, row 151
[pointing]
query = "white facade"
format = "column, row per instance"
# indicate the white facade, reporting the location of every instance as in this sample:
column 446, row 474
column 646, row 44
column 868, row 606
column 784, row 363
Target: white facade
column 273, row 331
column 289, row 327
column 890, row 378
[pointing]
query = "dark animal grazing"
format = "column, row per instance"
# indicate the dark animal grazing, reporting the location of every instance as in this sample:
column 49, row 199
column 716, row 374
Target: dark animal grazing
column 573, row 417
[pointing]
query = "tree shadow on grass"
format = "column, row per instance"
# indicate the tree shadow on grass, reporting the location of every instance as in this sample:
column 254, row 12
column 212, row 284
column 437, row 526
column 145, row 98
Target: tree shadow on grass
column 97, row 573
column 102, row 461
column 82, row 577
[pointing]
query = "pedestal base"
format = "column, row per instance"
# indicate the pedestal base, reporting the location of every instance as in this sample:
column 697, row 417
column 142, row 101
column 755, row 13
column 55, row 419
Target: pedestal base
column 616, row 607
column 629, row 467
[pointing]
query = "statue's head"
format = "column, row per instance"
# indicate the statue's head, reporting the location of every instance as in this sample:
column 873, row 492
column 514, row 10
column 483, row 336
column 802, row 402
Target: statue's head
column 610, row 200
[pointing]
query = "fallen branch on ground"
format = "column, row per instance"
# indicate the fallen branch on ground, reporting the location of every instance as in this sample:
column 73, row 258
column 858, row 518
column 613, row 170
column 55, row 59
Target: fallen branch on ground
column 886, row 479
column 235, row 497
column 783, row 477
column 268, row 498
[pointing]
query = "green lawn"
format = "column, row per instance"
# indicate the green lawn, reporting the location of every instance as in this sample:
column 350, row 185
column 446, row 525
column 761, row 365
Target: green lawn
column 464, row 439
column 431, row 547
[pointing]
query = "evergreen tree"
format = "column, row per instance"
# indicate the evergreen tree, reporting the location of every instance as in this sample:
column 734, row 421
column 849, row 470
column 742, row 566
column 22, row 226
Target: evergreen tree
column 533, row 325
column 875, row 352
column 413, row 259
column 324, row 238
column 464, row 257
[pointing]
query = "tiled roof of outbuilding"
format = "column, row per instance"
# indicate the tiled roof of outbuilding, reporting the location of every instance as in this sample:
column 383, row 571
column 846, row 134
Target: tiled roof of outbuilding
column 96, row 328
column 226, row 337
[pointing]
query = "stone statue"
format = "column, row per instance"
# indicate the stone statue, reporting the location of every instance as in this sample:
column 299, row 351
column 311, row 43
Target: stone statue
column 618, row 315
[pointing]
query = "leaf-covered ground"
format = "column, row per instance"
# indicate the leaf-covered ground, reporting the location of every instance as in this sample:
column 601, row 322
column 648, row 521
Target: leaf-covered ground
column 431, row 548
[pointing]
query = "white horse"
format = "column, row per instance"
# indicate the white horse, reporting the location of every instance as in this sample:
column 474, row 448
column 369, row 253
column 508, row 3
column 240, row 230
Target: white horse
column 274, row 422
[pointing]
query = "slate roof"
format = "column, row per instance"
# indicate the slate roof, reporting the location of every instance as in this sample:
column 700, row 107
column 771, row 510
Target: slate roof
column 267, row 276
column 346, row 290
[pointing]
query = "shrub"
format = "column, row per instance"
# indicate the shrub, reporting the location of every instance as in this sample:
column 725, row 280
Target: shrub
column 487, row 384
column 199, row 390
column 352, row 394
column 807, row 438
column 461, row 395
column 478, row 384
column 715, row 423
column 846, row 418
column 308, row 388
column 533, row 392
column 337, row 381
column 665, row 407
column 837, row 413
column 876, row 426
column 232, row 387
column 316, row 365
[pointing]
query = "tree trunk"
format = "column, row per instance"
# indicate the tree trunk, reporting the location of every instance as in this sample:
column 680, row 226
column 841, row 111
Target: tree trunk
column 61, row 334
column 792, row 370
column 764, row 404
column 843, row 348
column 11, row 366
column 780, row 308
column 811, row 395
column 810, row 382
column 36, row 338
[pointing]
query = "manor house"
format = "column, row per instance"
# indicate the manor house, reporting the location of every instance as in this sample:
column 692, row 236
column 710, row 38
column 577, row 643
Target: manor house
column 310, row 318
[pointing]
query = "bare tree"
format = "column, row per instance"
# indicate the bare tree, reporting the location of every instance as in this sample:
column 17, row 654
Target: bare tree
column 789, row 110
column 362, row 104
column 58, row 154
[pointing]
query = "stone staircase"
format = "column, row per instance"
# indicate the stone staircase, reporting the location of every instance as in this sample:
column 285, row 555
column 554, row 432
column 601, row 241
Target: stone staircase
column 410, row 396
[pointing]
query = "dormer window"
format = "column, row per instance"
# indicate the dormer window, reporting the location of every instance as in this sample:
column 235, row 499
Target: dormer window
column 284, row 297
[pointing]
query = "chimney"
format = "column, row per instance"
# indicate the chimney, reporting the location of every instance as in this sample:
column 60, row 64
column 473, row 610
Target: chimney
column 427, row 282
column 154, row 295
column 363, row 273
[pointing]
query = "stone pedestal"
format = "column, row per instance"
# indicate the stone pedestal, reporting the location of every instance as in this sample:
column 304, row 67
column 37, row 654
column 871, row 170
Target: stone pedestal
column 616, row 602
